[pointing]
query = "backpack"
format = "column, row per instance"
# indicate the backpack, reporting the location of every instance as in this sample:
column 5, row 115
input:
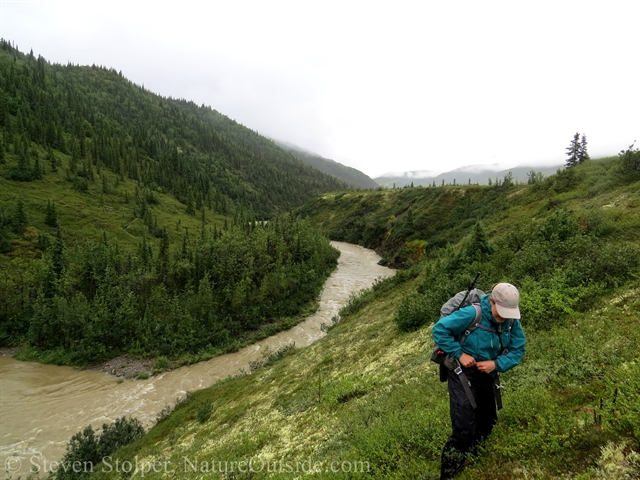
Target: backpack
column 459, row 300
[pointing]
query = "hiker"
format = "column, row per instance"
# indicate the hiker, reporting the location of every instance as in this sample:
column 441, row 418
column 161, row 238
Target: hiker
column 495, row 345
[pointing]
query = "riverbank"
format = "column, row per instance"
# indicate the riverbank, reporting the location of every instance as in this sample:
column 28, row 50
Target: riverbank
column 121, row 366
column 125, row 367
column 135, row 368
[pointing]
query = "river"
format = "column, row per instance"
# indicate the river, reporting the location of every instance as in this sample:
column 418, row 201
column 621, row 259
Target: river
column 42, row 406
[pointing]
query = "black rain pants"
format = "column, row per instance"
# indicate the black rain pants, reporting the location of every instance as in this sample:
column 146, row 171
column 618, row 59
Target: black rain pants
column 469, row 426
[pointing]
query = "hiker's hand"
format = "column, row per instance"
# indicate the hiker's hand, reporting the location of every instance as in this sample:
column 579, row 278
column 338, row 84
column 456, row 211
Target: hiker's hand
column 467, row 360
column 487, row 366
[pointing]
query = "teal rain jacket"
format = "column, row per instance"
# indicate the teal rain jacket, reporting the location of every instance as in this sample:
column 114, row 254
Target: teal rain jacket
column 481, row 344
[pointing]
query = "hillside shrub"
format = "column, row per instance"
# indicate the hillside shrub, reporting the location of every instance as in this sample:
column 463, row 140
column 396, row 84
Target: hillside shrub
column 87, row 449
column 620, row 405
column 479, row 248
column 414, row 311
column 596, row 223
column 630, row 161
column 392, row 430
column 559, row 264
column 359, row 300
column 204, row 411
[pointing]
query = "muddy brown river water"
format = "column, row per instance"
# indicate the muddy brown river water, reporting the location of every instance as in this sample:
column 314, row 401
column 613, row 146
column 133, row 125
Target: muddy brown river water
column 42, row 406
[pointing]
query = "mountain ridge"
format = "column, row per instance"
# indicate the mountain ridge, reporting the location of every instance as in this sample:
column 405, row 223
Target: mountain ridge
column 104, row 120
column 349, row 175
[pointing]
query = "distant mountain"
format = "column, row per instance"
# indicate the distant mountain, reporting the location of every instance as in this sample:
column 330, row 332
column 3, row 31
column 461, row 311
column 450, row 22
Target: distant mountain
column 415, row 174
column 479, row 174
column 349, row 175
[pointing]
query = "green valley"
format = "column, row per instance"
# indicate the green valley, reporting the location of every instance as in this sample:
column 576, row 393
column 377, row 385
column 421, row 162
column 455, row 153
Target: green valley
column 135, row 224
column 365, row 401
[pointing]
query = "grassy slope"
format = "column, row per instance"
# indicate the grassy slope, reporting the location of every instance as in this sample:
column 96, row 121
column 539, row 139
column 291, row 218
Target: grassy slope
column 367, row 393
column 84, row 216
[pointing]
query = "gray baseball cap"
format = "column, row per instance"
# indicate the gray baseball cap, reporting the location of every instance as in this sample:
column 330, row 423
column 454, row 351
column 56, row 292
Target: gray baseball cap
column 506, row 297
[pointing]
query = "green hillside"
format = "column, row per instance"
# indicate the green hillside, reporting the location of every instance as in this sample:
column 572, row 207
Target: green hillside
column 128, row 222
column 101, row 120
column 367, row 398
column 403, row 224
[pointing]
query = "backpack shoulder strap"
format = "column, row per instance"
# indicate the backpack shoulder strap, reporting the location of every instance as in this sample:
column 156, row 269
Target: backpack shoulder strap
column 475, row 323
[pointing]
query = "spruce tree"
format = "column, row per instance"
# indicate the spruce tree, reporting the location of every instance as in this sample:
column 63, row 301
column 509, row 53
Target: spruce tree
column 630, row 160
column 52, row 159
column 144, row 251
column 162, row 263
column 105, row 184
column 5, row 244
column 190, row 207
column 75, row 155
column 185, row 244
column 573, row 151
column 19, row 220
column 57, row 253
column 583, row 155
column 37, row 171
column 479, row 248
column 50, row 215
column 23, row 173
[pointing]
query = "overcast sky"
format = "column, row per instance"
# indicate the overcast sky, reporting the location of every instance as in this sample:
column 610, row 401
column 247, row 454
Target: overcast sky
column 378, row 85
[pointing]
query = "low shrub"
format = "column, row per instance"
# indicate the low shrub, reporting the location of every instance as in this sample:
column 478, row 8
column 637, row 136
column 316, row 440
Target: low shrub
column 88, row 449
column 398, row 431
column 620, row 405
column 180, row 403
column 162, row 363
column 414, row 311
column 204, row 411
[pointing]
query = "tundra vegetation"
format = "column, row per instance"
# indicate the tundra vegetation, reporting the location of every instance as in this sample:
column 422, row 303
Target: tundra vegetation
column 366, row 397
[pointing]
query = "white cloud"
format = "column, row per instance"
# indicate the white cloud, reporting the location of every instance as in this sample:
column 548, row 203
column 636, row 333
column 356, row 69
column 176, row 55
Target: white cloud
column 378, row 85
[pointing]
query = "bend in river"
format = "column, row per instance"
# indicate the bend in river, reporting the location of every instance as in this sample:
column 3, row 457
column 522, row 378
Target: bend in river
column 42, row 406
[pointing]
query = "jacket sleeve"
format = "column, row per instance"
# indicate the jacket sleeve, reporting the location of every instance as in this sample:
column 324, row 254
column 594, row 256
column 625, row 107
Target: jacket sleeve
column 516, row 349
column 448, row 328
